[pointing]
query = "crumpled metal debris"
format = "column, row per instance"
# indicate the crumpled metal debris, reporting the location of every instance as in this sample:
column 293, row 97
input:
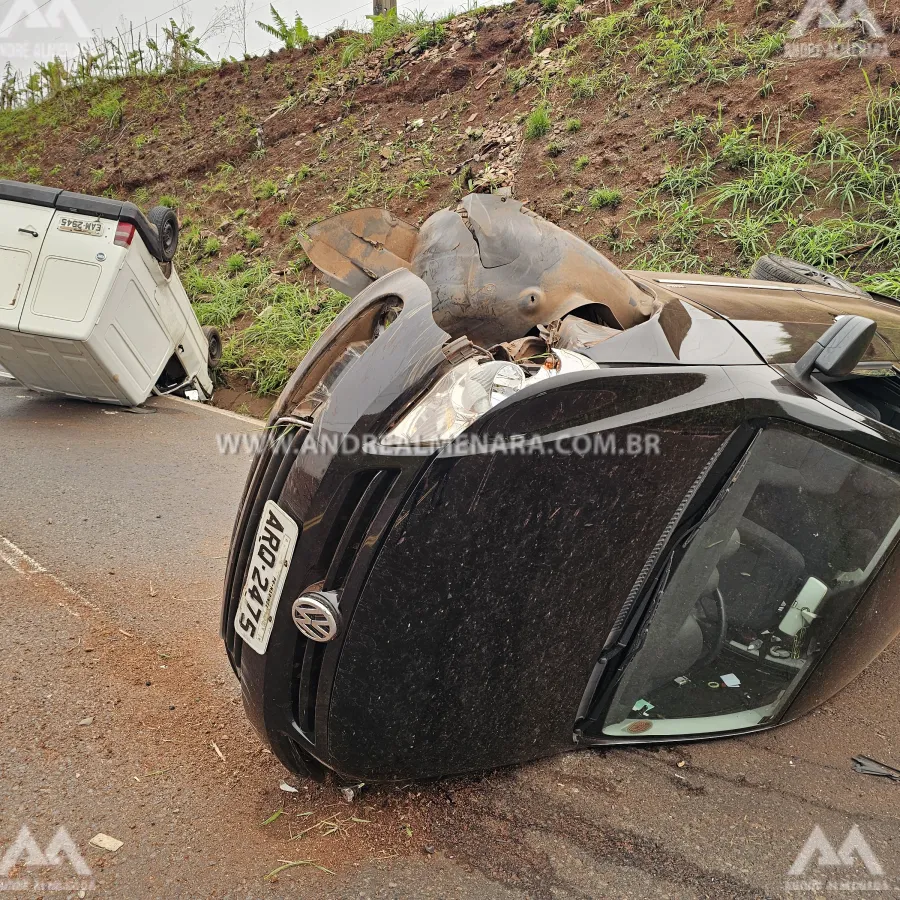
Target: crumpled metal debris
column 496, row 270
column 867, row 766
column 575, row 333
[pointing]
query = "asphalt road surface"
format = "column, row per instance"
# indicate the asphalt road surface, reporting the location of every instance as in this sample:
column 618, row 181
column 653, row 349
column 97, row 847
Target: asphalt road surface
column 120, row 716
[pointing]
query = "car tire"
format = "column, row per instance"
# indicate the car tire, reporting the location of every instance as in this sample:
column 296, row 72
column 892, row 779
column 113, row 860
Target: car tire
column 214, row 340
column 166, row 223
column 780, row 268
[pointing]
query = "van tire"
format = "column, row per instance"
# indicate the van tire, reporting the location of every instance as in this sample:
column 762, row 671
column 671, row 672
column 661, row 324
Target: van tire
column 780, row 268
column 214, row 340
column 166, row 223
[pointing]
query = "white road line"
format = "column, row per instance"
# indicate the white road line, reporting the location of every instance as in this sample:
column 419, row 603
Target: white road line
column 213, row 409
column 19, row 561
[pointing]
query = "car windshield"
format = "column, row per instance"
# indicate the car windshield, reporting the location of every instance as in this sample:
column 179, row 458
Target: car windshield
column 765, row 584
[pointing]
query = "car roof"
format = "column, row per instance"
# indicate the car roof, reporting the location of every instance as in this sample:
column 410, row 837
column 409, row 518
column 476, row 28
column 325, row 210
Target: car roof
column 782, row 321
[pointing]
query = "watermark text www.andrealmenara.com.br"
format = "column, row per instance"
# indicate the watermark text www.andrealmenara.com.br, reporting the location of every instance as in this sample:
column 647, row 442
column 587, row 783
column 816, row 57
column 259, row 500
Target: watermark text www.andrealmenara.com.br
column 604, row 443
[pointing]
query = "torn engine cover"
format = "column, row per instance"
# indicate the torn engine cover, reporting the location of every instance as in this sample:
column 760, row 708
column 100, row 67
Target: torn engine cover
column 495, row 269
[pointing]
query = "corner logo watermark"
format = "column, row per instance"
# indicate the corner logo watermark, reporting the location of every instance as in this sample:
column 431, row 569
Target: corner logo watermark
column 851, row 867
column 865, row 36
column 58, row 867
column 57, row 14
column 33, row 31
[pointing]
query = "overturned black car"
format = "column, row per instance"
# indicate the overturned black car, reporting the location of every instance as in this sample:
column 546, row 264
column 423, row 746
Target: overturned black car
column 517, row 501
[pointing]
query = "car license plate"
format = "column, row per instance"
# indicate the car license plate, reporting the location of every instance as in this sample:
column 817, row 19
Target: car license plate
column 273, row 549
column 80, row 226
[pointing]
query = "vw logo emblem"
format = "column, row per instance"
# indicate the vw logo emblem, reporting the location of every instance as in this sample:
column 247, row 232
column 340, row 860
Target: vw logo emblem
column 316, row 616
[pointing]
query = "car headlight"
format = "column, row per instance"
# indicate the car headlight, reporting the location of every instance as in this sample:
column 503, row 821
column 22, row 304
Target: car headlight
column 455, row 402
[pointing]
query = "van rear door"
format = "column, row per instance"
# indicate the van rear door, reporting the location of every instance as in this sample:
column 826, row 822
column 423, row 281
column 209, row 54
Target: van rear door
column 79, row 264
column 23, row 228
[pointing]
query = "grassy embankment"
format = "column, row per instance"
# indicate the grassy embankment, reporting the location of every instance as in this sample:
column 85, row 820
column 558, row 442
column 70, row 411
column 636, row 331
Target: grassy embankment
column 670, row 137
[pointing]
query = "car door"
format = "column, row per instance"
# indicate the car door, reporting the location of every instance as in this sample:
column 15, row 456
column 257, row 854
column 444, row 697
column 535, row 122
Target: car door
column 23, row 228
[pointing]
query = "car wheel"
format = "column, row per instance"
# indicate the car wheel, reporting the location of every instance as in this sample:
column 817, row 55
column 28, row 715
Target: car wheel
column 166, row 223
column 780, row 268
column 214, row 339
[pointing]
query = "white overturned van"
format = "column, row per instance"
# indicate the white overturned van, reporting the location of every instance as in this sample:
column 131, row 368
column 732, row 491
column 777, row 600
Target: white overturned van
column 90, row 306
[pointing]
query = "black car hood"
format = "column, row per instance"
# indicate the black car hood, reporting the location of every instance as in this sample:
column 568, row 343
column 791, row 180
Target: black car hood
column 782, row 321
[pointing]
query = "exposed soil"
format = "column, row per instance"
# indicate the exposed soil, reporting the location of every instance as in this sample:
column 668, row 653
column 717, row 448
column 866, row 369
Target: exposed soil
column 242, row 145
column 237, row 394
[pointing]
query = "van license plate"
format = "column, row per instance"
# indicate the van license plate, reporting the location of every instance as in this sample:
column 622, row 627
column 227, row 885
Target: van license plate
column 273, row 550
column 80, row 226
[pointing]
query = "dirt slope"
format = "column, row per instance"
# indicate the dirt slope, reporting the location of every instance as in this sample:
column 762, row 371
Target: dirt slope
column 670, row 134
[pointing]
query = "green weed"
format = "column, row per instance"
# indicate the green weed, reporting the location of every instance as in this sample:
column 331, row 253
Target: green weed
column 517, row 78
column 688, row 181
column 750, row 235
column 778, row 181
column 603, row 197
column 219, row 299
column 538, row 122
column 689, row 133
column 263, row 190
column 282, row 333
column 608, row 31
column 825, row 244
column 236, row 263
column 109, row 108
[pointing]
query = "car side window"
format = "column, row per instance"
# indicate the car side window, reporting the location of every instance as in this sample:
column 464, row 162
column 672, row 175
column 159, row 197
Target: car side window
column 765, row 584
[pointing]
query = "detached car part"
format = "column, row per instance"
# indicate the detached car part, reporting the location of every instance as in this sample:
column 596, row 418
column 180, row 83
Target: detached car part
column 647, row 507
column 495, row 269
column 867, row 766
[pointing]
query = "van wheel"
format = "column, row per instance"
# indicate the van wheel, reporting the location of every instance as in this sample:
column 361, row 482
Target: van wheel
column 166, row 223
column 214, row 339
column 781, row 268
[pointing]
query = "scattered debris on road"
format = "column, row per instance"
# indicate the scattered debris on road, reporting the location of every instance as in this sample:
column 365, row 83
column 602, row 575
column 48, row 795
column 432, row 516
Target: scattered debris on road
column 289, row 864
column 351, row 792
column 274, row 817
column 104, row 842
column 867, row 766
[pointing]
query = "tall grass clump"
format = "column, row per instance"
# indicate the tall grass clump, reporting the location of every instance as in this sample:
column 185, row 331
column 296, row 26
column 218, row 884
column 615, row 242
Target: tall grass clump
column 284, row 330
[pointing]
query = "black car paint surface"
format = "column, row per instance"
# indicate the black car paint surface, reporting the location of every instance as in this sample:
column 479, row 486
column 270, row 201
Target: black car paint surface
column 479, row 590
